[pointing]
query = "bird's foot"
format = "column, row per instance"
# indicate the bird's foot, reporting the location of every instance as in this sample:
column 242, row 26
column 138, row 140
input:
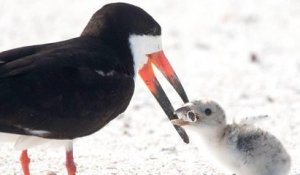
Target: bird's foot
column 25, row 162
column 70, row 164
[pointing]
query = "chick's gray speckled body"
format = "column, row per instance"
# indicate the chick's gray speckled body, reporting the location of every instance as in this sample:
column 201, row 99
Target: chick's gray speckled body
column 241, row 148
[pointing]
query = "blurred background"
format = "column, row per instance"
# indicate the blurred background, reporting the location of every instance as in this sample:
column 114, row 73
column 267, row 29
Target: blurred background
column 243, row 54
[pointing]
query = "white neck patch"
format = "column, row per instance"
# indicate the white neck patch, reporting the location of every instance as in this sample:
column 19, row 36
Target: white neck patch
column 140, row 46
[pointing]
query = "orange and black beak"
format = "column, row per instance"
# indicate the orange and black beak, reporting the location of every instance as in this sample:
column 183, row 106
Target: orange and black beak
column 161, row 62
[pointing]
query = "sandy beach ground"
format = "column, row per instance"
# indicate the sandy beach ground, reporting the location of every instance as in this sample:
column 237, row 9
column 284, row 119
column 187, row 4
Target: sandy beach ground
column 243, row 54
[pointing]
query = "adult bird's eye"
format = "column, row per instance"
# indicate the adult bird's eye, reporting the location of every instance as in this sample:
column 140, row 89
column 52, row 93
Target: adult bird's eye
column 207, row 111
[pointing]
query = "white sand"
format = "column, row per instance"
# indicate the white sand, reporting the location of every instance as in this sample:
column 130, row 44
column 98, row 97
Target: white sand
column 209, row 43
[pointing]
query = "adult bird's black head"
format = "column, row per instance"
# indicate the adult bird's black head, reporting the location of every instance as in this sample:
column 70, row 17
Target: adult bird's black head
column 136, row 36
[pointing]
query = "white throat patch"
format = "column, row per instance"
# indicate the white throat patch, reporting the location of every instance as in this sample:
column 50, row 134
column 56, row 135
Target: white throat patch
column 140, row 46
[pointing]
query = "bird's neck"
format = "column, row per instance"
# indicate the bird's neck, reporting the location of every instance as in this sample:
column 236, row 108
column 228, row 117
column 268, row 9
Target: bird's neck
column 210, row 135
column 118, row 42
column 141, row 45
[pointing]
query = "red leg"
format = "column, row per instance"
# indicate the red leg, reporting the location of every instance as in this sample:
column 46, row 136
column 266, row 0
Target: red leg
column 71, row 167
column 25, row 162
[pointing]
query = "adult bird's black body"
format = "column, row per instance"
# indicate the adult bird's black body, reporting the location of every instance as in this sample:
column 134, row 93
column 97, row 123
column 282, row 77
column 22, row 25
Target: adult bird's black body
column 73, row 88
column 56, row 88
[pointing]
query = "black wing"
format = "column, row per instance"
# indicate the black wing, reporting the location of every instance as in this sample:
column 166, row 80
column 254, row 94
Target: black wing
column 61, row 88
column 78, row 52
column 17, row 53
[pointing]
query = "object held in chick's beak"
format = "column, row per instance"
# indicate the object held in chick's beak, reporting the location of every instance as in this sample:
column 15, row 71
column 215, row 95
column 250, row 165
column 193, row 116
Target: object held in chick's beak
column 185, row 115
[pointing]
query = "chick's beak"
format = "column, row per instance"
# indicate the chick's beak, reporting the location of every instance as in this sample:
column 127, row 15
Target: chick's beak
column 161, row 62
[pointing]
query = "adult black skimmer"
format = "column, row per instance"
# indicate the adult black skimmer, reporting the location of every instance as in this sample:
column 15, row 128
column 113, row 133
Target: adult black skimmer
column 60, row 91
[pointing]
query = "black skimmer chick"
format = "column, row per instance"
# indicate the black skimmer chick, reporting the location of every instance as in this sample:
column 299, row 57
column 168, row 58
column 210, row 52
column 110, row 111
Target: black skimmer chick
column 60, row 91
column 241, row 148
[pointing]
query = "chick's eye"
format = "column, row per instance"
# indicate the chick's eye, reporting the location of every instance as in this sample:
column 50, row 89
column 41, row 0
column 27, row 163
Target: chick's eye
column 207, row 111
